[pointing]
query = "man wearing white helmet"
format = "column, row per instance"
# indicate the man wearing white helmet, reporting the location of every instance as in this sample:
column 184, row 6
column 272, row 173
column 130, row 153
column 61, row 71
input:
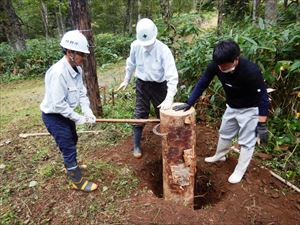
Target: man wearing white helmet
column 157, row 77
column 64, row 92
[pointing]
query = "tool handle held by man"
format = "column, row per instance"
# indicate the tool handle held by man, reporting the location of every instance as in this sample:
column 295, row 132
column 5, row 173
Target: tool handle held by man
column 127, row 121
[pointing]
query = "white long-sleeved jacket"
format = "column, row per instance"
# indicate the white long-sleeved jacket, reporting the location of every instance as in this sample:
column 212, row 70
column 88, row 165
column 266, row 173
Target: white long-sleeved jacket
column 64, row 91
column 156, row 64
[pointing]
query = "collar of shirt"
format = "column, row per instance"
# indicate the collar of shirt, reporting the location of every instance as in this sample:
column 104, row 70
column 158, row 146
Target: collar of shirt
column 72, row 72
column 151, row 49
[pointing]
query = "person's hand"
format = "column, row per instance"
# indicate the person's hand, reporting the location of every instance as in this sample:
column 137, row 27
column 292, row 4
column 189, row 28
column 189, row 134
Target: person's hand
column 184, row 107
column 82, row 120
column 90, row 119
column 262, row 133
column 166, row 104
column 123, row 86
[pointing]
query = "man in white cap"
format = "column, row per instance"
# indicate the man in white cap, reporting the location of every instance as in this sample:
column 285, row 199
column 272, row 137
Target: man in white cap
column 157, row 77
column 64, row 91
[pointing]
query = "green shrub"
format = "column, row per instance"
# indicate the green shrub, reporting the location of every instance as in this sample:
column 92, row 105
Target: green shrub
column 276, row 50
column 41, row 54
column 110, row 48
column 32, row 62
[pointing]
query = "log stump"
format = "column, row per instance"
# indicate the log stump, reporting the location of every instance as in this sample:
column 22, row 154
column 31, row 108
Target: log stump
column 178, row 153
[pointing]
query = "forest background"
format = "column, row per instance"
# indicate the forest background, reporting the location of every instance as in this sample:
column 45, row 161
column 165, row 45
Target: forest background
column 268, row 33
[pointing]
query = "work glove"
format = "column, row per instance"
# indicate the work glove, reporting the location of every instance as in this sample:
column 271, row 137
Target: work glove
column 123, row 85
column 262, row 133
column 82, row 120
column 184, row 107
column 166, row 104
column 90, row 119
column 88, row 113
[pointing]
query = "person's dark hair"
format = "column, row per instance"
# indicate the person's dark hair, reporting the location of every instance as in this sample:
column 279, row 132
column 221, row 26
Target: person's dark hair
column 226, row 52
column 64, row 50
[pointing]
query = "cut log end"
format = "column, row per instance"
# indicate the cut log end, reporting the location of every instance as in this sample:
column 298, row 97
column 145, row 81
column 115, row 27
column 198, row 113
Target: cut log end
column 173, row 113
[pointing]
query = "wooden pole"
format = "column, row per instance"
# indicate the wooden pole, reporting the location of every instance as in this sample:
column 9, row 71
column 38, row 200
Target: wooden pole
column 127, row 120
column 272, row 173
column 178, row 153
column 26, row 135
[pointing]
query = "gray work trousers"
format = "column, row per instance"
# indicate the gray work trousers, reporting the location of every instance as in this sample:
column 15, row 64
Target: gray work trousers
column 241, row 122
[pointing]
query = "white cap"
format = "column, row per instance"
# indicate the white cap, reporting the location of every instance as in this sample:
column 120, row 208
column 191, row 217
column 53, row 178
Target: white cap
column 146, row 32
column 76, row 41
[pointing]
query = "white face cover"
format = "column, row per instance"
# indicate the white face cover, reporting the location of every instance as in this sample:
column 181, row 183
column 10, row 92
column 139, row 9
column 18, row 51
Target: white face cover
column 228, row 70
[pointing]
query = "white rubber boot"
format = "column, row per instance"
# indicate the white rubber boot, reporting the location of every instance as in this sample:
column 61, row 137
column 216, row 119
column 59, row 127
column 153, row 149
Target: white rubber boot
column 241, row 167
column 222, row 150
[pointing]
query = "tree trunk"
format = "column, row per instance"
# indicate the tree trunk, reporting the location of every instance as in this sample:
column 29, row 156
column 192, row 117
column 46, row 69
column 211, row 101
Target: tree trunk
column 285, row 3
column 129, row 15
column 271, row 12
column 297, row 11
column 44, row 14
column 195, row 5
column 254, row 13
column 3, row 37
column 82, row 21
column 139, row 9
column 220, row 16
column 12, row 26
column 60, row 21
column 178, row 153
column 165, row 12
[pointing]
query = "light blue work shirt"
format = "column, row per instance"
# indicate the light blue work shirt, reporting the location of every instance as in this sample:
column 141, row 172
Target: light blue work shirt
column 156, row 64
column 64, row 90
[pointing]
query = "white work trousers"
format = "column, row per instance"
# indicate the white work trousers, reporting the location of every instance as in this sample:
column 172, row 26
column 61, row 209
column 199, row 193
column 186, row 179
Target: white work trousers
column 241, row 122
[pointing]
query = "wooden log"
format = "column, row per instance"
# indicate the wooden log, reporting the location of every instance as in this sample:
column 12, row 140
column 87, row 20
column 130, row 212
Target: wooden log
column 178, row 154
column 137, row 121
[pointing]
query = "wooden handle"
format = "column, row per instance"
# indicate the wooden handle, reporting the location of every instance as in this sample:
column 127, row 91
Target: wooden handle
column 22, row 135
column 127, row 120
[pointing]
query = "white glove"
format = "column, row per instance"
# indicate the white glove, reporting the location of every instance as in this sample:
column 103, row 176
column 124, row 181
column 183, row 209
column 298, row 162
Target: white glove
column 166, row 104
column 88, row 113
column 90, row 119
column 81, row 120
column 123, row 85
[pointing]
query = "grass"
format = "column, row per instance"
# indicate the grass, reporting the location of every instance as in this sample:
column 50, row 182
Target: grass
column 122, row 183
column 20, row 105
column 111, row 74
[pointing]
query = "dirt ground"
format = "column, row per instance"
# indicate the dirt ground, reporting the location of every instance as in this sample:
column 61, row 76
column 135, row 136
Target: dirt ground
column 259, row 199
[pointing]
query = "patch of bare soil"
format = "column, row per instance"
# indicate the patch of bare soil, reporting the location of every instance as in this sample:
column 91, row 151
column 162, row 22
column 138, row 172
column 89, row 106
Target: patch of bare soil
column 259, row 199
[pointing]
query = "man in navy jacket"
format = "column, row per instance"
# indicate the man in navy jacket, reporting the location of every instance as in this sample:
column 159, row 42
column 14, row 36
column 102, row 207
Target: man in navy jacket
column 246, row 104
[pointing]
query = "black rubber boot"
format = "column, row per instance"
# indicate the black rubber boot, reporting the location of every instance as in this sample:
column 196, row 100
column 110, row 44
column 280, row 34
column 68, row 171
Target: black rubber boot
column 137, row 151
column 78, row 182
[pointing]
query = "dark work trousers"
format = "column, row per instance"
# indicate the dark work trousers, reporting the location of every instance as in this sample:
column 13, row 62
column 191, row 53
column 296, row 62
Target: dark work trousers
column 64, row 132
column 146, row 92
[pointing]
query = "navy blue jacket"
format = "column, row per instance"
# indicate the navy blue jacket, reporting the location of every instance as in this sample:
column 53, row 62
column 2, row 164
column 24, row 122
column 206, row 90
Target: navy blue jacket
column 244, row 88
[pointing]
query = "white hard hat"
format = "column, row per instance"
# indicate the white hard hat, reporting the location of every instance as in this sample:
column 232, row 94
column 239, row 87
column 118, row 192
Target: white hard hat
column 76, row 41
column 146, row 32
